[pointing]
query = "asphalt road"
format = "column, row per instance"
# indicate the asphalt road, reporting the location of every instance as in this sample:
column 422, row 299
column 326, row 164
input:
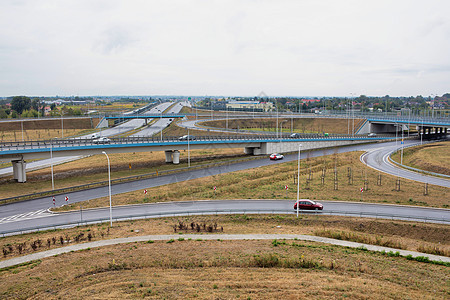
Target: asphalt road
column 225, row 207
column 119, row 129
column 378, row 159
column 33, row 213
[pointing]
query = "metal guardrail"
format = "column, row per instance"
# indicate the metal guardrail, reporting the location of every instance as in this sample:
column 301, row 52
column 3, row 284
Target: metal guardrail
column 59, row 143
column 60, row 225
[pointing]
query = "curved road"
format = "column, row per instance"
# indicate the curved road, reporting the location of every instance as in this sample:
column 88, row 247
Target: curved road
column 29, row 214
column 224, row 207
column 378, row 159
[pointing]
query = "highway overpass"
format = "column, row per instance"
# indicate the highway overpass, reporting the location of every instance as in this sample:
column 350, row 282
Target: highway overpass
column 19, row 152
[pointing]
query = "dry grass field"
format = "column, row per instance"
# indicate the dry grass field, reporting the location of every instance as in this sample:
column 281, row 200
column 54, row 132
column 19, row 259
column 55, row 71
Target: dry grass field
column 40, row 134
column 301, row 125
column 414, row 236
column 430, row 157
column 186, row 268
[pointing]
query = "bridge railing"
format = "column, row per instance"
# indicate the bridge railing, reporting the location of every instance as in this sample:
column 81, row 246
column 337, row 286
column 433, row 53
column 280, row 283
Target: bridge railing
column 58, row 143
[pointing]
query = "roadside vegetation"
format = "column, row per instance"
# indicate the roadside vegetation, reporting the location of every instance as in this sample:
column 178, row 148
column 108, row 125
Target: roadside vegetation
column 261, row 269
column 433, row 157
column 414, row 236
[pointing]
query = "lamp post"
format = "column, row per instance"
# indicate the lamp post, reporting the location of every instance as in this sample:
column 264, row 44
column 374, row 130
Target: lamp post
column 189, row 152
column 62, row 124
column 109, row 185
column 51, row 162
column 281, row 129
column 298, row 176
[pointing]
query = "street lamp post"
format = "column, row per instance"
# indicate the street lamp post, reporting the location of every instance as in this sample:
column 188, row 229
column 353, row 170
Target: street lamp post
column 51, row 162
column 298, row 176
column 62, row 124
column 109, row 186
column 189, row 152
column 281, row 129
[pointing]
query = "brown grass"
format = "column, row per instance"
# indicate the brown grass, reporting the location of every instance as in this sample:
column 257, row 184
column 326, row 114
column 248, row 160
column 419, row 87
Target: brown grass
column 415, row 236
column 225, row 270
column 300, row 125
column 430, row 157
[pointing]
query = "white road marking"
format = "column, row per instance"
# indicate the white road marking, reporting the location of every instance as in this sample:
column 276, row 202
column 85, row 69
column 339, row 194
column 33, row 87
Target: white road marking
column 26, row 216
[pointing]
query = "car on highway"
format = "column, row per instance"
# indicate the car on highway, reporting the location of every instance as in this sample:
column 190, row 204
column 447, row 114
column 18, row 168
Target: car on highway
column 276, row 156
column 295, row 135
column 102, row 140
column 186, row 138
column 308, row 204
column 372, row 134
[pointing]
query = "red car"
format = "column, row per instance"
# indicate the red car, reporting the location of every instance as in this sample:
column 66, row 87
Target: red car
column 276, row 156
column 308, row 204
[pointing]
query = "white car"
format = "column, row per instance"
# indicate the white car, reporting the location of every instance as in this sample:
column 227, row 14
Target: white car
column 372, row 134
column 276, row 156
column 102, row 140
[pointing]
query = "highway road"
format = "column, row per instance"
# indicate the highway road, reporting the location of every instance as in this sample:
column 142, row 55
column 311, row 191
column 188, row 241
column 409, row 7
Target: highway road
column 223, row 207
column 378, row 159
column 119, row 129
column 162, row 123
column 23, row 214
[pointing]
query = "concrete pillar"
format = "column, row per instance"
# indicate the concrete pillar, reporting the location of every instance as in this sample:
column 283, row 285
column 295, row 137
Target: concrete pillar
column 168, row 156
column 19, row 170
column 176, row 157
column 248, row 150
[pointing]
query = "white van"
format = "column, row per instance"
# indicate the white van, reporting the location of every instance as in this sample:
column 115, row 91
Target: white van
column 95, row 135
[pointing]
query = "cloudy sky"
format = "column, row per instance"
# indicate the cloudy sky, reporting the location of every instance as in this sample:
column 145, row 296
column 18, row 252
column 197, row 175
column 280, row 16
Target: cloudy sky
column 242, row 47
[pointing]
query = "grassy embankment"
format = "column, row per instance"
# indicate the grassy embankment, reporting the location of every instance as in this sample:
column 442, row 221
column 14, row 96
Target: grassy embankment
column 184, row 268
column 430, row 157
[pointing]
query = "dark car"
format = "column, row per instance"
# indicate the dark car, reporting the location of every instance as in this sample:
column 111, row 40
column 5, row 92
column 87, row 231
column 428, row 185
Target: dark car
column 276, row 156
column 308, row 204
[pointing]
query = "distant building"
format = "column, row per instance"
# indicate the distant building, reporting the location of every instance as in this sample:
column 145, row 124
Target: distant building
column 250, row 105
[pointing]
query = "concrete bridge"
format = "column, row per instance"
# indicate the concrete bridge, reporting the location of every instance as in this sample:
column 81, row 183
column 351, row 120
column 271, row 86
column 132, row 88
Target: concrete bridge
column 19, row 152
column 428, row 128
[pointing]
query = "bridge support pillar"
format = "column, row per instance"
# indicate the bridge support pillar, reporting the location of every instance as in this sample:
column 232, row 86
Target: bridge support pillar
column 249, row 150
column 19, row 170
column 176, row 157
column 168, row 156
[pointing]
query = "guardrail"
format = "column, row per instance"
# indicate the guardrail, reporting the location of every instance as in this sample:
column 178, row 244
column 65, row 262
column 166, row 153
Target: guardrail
column 59, row 143
column 60, row 225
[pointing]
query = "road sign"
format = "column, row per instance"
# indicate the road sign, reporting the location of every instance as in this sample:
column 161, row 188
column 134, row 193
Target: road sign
column 145, row 192
column 66, row 198
column 214, row 187
column 286, row 187
column 54, row 200
column 362, row 190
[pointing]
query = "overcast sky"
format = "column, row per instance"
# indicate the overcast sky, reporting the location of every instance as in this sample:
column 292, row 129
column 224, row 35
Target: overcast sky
column 187, row 47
